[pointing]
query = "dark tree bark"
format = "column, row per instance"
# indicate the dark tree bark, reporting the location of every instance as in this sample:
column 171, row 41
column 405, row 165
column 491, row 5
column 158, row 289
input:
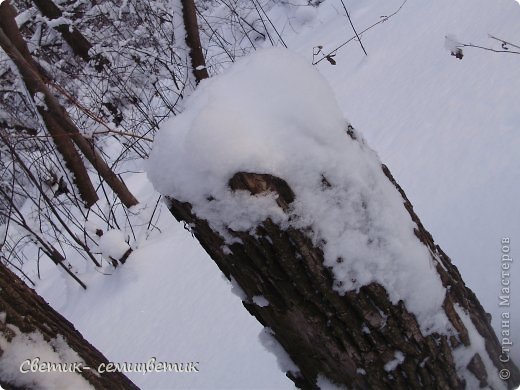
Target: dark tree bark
column 27, row 311
column 79, row 44
column 74, row 38
column 198, row 63
column 13, row 44
column 8, row 24
column 324, row 332
column 63, row 129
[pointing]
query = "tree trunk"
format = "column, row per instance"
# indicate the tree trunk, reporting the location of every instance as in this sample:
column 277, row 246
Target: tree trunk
column 24, row 312
column 198, row 63
column 346, row 338
column 14, row 45
column 74, row 38
column 8, row 24
column 63, row 129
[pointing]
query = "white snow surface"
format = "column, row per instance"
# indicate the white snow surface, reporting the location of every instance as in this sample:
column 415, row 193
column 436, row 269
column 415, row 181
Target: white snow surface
column 274, row 113
column 168, row 301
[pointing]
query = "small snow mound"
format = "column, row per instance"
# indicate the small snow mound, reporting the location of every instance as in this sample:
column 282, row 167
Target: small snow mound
column 112, row 244
column 452, row 44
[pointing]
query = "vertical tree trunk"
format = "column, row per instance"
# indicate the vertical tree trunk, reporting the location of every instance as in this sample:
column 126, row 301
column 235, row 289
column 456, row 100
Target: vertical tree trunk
column 198, row 63
column 349, row 339
column 24, row 312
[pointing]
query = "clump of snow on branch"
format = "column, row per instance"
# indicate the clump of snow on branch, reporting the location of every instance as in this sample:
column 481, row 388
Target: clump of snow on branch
column 274, row 113
column 452, row 44
column 113, row 244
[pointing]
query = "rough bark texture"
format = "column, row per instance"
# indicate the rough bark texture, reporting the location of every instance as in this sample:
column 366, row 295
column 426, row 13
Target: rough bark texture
column 27, row 311
column 62, row 128
column 198, row 63
column 325, row 333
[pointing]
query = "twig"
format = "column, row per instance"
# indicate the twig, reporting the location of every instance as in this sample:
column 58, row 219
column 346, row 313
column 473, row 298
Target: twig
column 353, row 28
column 383, row 19
column 93, row 116
column 504, row 42
column 271, row 23
column 488, row 48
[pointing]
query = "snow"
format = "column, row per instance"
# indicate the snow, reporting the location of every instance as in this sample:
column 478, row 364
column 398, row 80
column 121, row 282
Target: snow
column 237, row 290
column 29, row 346
column 113, row 244
column 273, row 113
column 260, row 300
column 452, row 44
column 39, row 100
column 53, row 23
column 168, row 301
column 462, row 355
column 24, row 16
column 392, row 364
column 325, row 383
column 266, row 337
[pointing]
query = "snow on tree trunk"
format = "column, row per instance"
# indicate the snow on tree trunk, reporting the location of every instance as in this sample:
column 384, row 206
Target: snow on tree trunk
column 323, row 245
column 29, row 329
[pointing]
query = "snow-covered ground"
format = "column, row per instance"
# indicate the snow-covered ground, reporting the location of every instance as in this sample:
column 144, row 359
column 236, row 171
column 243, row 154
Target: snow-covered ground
column 447, row 128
